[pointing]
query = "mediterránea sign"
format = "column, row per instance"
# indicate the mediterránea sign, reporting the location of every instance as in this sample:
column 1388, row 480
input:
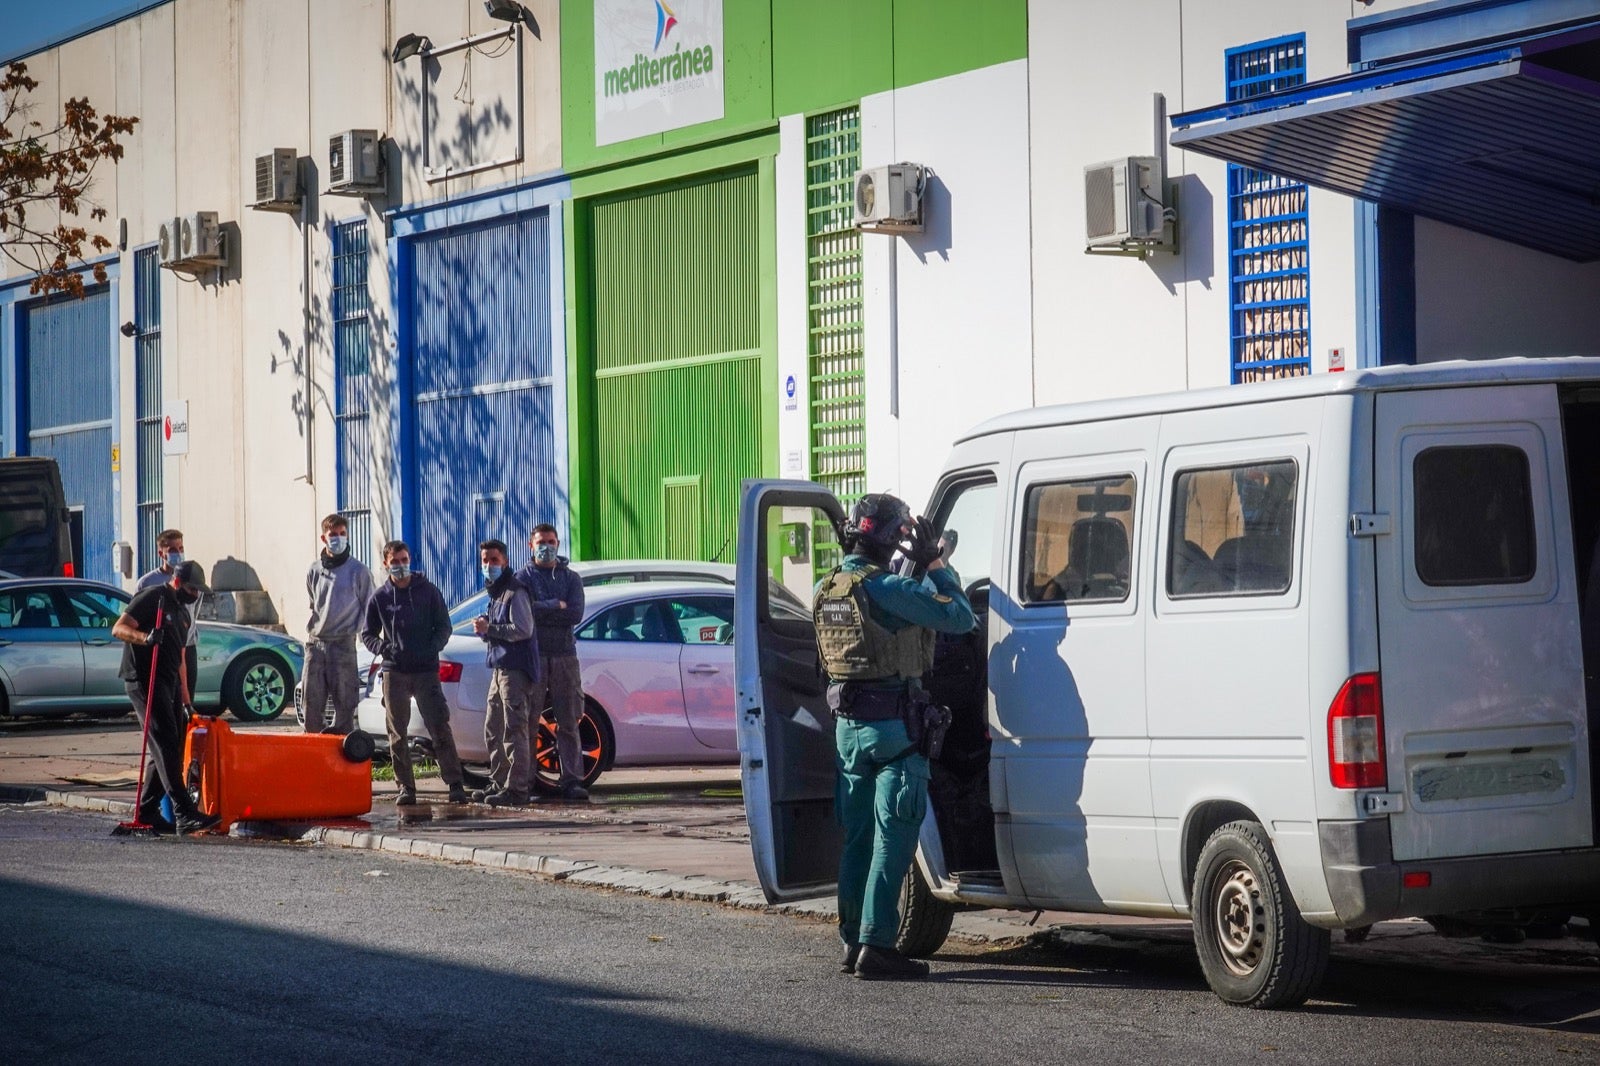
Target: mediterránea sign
column 657, row 66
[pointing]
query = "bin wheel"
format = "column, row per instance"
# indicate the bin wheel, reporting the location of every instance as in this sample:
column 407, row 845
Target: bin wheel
column 358, row 746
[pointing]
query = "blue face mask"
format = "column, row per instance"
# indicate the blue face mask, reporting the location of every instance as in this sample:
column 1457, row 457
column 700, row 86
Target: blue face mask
column 400, row 571
column 491, row 574
column 545, row 554
column 174, row 557
column 337, row 545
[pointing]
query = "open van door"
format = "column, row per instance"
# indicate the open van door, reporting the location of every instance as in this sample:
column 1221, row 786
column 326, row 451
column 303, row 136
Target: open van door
column 785, row 729
column 1481, row 660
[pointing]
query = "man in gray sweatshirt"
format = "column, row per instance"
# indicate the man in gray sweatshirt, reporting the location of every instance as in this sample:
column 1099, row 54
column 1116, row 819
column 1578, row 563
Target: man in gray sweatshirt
column 339, row 587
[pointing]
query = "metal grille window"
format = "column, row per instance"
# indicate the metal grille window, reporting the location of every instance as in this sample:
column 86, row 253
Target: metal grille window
column 836, row 347
column 147, row 388
column 1268, row 238
column 352, row 369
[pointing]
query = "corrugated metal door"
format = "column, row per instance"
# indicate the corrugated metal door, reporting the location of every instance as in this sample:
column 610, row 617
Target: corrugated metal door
column 678, row 397
column 482, row 394
column 66, row 413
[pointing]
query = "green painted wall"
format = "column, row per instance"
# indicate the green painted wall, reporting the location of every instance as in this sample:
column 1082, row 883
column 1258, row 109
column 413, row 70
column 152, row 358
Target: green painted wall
column 784, row 57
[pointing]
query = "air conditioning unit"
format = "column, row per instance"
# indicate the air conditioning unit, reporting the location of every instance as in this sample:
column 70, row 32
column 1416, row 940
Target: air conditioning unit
column 169, row 241
column 278, row 181
column 889, row 199
column 355, row 163
column 200, row 240
column 1123, row 203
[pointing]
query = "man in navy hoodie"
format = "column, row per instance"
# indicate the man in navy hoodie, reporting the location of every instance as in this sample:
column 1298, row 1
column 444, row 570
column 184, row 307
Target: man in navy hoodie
column 407, row 626
column 557, row 595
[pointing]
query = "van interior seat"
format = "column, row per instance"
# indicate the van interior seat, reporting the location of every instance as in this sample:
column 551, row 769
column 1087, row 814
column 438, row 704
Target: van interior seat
column 36, row 616
column 617, row 623
column 1193, row 573
column 1097, row 558
column 1254, row 562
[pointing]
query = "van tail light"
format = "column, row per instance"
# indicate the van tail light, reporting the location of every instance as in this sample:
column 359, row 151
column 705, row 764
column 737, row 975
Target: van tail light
column 1355, row 734
column 449, row 671
column 68, row 570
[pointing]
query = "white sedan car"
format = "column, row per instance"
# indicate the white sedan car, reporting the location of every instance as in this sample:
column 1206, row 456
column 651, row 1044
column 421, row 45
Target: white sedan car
column 658, row 686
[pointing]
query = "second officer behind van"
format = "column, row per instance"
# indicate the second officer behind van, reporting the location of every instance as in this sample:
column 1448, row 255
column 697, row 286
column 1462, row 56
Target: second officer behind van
column 875, row 635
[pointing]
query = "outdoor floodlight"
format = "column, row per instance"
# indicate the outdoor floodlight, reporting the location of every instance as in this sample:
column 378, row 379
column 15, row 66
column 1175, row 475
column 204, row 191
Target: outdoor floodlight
column 409, row 45
column 129, row 329
column 511, row 11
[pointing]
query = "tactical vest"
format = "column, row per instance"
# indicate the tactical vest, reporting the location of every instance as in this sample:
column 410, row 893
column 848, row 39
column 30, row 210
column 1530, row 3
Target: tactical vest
column 853, row 646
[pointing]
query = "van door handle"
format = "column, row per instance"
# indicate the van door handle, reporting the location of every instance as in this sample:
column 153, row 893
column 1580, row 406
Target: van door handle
column 704, row 668
column 97, row 643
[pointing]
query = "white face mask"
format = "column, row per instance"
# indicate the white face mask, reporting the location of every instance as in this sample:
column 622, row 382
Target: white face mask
column 337, row 544
column 545, row 553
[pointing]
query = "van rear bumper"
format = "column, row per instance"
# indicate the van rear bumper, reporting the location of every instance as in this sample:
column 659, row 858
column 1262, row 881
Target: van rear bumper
column 1365, row 882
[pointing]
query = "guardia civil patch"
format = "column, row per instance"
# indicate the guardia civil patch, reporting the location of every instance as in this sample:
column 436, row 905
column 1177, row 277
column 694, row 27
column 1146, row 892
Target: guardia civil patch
column 837, row 613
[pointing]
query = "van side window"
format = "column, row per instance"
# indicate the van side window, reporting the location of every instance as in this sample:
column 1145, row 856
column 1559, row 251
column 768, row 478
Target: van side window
column 1233, row 530
column 1076, row 537
column 1474, row 515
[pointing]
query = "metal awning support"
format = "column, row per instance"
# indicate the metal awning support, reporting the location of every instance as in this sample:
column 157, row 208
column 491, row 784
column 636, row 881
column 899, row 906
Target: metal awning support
column 1503, row 142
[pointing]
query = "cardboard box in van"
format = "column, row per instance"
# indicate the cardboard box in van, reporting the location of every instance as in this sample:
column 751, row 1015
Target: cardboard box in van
column 1282, row 658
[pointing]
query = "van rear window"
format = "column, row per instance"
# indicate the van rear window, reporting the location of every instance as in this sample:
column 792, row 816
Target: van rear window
column 1076, row 537
column 1233, row 530
column 1474, row 515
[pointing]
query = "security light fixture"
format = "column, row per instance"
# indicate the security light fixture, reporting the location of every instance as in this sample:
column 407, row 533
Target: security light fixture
column 129, row 329
column 511, row 11
column 410, row 45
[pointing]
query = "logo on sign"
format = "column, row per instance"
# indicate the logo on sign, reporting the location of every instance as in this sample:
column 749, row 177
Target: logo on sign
column 665, row 20
column 169, row 427
column 788, row 386
column 166, row 427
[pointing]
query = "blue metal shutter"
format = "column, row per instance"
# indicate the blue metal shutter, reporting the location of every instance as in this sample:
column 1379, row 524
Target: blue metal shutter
column 352, row 371
column 148, row 405
column 483, row 395
column 67, row 402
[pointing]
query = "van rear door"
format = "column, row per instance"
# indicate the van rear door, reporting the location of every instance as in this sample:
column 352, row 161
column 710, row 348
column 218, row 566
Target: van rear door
column 1480, row 654
column 785, row 729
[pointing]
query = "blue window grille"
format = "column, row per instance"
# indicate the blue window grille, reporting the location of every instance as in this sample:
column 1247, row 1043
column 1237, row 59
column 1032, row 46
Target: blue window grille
column 1269, row 265
column 352, row 362
column 147, row 389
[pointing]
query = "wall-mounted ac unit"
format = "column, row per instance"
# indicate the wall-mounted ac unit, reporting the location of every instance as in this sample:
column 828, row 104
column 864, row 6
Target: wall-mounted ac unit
column 889, row 199
column 201, row 240
column 278, row 181
column 355, row 164
column 1123, row 203
column 169, row 241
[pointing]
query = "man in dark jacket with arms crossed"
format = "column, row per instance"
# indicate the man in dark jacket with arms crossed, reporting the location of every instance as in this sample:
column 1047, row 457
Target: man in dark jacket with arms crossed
column 407, row 626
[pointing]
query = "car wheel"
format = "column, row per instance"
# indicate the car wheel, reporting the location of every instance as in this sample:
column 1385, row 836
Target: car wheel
column 924, row 918
column 258, row 687
column 595, row 740
column 1254, row 947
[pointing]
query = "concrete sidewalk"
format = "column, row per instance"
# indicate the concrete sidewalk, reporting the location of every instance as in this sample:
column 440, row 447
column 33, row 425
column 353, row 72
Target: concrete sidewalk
column 670, row 832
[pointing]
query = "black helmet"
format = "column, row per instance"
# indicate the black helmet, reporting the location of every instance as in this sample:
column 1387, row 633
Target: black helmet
column 877, row 524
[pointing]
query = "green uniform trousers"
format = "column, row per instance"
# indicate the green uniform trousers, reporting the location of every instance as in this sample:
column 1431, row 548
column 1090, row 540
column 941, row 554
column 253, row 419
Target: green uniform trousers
column 880, row 799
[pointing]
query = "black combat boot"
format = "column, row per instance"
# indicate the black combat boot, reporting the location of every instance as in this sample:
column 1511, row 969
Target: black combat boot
column 189, row 819
column 887, row 964
column 847, row 962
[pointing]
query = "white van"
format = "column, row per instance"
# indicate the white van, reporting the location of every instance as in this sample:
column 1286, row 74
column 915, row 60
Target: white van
column 1283, row 658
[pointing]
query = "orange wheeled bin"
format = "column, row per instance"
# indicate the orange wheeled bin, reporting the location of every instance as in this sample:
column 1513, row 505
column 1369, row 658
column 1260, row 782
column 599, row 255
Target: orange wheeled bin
column 276, row 776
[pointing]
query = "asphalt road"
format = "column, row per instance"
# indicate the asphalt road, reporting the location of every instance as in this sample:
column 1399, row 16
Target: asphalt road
column 217, row 950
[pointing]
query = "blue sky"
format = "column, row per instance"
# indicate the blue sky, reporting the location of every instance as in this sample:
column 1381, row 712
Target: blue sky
column 27, row 24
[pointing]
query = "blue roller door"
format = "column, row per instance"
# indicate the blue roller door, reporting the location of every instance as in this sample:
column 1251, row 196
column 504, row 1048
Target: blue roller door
column 66, row 402
column 482, row 395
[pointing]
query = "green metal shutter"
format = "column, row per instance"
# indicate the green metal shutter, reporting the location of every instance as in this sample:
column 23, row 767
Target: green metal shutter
column 836, row 345
column 677, row 346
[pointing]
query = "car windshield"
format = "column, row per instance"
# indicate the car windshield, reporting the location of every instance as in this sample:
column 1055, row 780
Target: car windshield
column 462, row 614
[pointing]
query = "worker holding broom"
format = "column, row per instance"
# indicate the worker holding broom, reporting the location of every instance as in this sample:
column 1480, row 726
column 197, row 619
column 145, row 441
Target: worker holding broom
column 155, row 627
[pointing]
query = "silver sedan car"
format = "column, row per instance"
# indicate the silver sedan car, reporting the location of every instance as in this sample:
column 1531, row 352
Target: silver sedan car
column 57, row 655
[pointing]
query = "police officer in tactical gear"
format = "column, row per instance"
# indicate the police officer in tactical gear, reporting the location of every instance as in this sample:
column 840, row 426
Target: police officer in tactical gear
column 875, row 635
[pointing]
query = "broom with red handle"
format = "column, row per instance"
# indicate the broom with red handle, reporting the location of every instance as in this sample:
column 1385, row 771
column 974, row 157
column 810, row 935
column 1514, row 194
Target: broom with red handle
column 139, row 825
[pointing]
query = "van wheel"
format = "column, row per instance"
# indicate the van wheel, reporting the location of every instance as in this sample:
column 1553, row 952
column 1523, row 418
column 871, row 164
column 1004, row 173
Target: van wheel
column 924, row 918
column 1254, row 947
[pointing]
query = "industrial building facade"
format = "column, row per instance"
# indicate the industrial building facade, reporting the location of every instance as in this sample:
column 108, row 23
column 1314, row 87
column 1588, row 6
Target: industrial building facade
column 608, row 266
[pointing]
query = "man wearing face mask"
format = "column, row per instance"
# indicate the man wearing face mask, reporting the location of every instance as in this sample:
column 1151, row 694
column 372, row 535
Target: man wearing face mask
column 407, row 626
column 513, row 658
column 169, row 549
column 163, row 701
column 557, row 595
column 339, row 586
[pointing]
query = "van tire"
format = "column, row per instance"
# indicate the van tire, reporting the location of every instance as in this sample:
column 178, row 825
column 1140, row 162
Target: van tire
column 1280, row 960
column 924, row 918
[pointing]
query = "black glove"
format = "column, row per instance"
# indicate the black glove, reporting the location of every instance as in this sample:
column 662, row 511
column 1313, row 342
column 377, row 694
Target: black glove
column 922, row 546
